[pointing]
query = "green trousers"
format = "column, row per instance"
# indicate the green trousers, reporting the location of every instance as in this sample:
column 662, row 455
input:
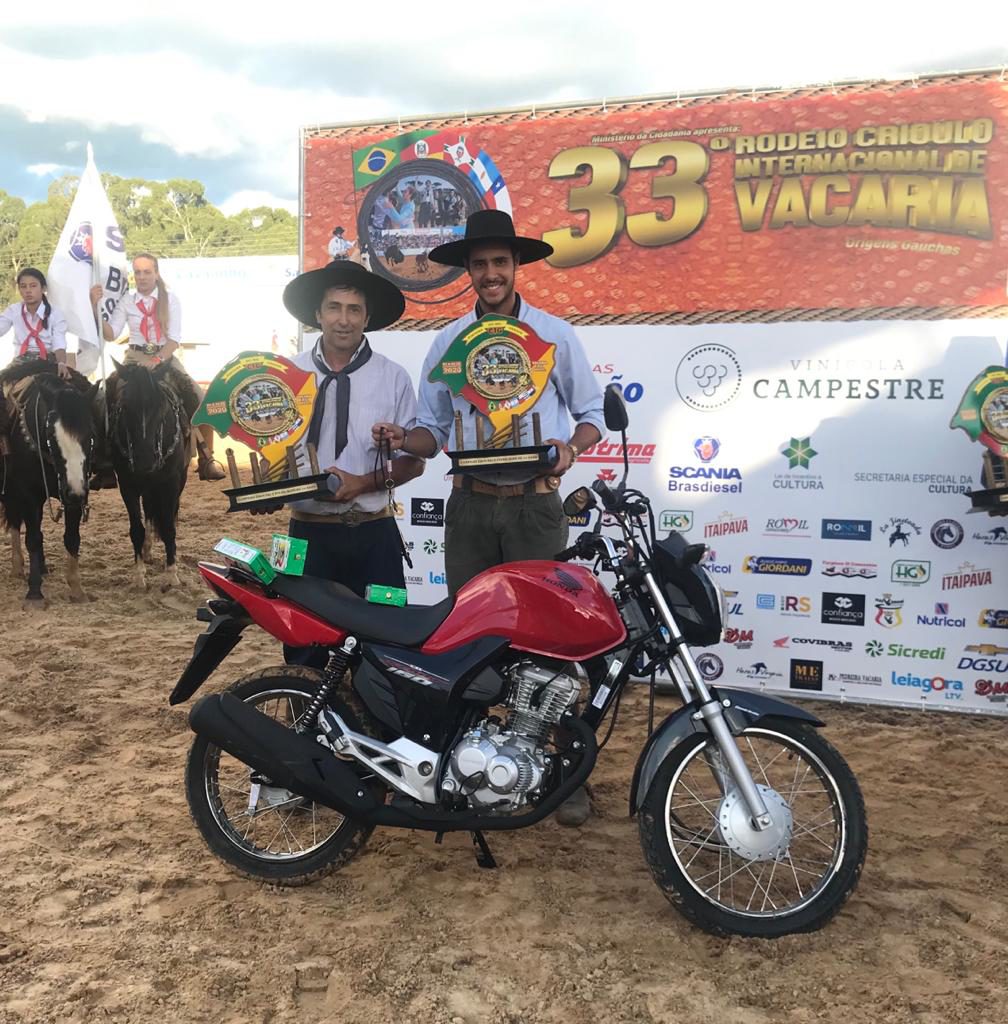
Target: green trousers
column 482, row 530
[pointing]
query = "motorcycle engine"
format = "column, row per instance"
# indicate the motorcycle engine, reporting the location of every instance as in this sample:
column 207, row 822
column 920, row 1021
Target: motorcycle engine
column 501, row 766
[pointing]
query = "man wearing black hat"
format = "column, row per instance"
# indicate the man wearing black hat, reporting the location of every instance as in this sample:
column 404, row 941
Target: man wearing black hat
column 506, row 516
column 353, row 538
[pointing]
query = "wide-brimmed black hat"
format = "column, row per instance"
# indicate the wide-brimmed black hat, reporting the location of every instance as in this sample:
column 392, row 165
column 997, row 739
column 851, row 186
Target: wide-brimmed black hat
column 490, row 226
column 303, row 296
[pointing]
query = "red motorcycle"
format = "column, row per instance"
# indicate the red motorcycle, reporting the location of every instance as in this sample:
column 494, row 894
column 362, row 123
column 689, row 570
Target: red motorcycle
column 480, row 713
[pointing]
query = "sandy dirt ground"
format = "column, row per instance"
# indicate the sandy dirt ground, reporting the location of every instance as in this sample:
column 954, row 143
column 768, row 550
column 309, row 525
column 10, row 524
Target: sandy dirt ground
column 112, row 908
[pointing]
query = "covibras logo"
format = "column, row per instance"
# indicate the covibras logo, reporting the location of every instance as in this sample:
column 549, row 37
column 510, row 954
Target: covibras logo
column 82, row 243
column 767, row 565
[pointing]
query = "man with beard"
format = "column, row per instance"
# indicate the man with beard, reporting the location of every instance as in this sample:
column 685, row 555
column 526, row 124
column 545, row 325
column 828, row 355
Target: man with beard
column 495, row 517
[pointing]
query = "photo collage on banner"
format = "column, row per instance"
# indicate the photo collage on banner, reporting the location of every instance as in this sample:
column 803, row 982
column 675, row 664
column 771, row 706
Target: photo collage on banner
column 793, row 292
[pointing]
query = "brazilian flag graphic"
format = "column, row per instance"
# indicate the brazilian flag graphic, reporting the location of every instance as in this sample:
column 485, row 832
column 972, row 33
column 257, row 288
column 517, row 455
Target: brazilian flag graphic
column 371, row 162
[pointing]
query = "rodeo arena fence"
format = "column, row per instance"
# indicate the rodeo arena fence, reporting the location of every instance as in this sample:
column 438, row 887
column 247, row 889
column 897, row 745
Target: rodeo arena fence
column 794, row 289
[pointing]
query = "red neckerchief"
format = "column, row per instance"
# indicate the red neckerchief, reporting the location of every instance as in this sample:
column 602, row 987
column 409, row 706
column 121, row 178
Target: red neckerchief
column 149, row 317
column 34, row 334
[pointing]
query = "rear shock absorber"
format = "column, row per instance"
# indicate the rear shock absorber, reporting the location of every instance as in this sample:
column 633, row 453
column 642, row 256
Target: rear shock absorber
column 331, row 677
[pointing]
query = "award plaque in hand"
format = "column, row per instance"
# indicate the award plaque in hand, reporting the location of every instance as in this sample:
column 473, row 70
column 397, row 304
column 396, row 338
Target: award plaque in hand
column 500, row 366
column 983, row 414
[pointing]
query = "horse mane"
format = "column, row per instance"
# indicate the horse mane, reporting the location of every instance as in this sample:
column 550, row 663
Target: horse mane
column 139, row 393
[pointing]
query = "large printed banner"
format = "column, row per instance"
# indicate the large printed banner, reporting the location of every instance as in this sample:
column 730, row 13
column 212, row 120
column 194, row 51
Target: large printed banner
column 823, row 474
column 861, row 198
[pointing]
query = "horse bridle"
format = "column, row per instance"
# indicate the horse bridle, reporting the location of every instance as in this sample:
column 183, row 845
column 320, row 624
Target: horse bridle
column 161, row 452
column 39, row 440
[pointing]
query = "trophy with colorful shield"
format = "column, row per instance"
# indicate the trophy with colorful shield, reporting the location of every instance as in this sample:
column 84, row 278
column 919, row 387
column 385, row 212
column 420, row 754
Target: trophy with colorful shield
column 983, row 414
column 265, row 402
column 500, row 366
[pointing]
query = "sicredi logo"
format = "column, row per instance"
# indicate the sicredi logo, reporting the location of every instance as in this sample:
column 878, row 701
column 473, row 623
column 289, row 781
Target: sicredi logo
column 846, row 529
column 427, row 511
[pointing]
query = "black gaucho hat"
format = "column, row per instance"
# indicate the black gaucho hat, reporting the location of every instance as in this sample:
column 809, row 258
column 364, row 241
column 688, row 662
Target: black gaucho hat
column 303, row 296
column 490, row 226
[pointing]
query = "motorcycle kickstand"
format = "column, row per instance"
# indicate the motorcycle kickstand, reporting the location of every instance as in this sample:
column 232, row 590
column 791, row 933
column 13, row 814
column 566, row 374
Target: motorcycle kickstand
column 484, row 858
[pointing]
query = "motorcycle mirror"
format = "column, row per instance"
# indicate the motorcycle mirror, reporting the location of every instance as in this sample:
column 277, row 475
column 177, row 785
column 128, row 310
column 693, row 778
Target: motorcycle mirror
column 578, row 501
column 614, row 409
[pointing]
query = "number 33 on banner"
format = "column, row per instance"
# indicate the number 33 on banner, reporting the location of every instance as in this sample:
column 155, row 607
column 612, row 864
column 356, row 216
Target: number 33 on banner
column 601, row 201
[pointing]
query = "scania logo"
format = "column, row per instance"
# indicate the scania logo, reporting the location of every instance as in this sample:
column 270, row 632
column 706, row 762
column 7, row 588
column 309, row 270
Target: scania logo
column 708, row 377
column 706, row 448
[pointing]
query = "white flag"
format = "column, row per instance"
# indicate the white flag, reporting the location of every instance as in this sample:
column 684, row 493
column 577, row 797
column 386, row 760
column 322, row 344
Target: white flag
column 90, row 251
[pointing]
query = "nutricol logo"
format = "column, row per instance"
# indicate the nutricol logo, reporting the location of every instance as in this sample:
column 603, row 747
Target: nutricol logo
column 769, row 565
column 910, row 572
column 846, row 529
column 941, row 617
column 427, row 511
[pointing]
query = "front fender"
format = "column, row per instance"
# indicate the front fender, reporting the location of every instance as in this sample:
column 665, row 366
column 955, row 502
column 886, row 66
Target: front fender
column 745, row 709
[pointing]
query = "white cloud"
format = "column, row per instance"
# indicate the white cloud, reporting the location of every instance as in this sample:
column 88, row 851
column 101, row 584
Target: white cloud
column 249, row 199
column 43, row 170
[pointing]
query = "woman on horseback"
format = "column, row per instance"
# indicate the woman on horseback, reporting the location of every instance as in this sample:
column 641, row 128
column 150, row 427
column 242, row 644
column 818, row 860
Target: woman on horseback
column 154, row 317
column 39, row 328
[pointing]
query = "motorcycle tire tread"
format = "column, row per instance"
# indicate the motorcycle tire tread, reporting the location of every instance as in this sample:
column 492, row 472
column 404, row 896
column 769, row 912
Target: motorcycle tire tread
column 321, row 862
column 697, row 910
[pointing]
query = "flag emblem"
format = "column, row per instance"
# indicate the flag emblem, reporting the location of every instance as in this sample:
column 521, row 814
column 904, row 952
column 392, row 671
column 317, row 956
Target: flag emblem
column 82, row 243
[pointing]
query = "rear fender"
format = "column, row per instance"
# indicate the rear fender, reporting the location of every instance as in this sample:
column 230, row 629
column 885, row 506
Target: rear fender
column 745, row 709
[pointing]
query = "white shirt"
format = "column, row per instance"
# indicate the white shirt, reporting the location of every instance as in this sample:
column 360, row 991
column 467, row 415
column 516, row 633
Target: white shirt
column 380, row 391
column 127, row 312
column 53, row 337
column 339, row 246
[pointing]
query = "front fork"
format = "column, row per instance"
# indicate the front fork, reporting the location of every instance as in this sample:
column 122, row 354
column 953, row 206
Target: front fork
column 710, row 712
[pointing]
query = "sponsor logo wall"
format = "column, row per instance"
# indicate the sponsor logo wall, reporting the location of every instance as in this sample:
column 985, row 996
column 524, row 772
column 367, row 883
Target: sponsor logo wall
column 835, row 510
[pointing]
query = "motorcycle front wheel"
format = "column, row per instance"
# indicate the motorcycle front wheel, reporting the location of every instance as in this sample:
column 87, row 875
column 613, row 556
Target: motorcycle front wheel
column 728, row 878
column 266, row 831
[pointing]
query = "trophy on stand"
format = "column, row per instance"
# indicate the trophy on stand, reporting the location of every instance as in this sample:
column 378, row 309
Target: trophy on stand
column 983, row 414
column 500, row 366
column 265, row 402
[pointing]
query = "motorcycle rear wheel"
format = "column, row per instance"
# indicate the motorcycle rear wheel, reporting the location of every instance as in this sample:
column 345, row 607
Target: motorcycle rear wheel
column 692, row 847
column 269, row 833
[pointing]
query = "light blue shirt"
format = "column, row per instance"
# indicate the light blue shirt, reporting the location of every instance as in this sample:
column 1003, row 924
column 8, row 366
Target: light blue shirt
column 571, row 391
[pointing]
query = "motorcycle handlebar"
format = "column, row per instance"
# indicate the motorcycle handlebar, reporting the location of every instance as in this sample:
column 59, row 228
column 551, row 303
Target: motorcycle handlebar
column 606, row 493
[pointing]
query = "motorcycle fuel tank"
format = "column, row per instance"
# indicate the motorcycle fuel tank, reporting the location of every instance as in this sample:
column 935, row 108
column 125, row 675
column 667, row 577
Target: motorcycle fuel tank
column 550, row 608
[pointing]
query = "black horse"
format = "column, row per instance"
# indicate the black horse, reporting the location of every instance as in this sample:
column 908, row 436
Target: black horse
column 51, row 436
column 149, row 442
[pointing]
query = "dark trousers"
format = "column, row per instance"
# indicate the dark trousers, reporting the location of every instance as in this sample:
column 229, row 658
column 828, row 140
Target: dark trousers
column 352, row 555
column 482, row 530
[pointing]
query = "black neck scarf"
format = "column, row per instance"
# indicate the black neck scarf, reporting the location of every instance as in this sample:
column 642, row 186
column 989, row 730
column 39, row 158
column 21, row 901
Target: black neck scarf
column 342, row 379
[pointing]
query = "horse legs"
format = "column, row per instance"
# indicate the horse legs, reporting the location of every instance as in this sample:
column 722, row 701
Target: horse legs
column 71, row 541
column 165, row 515
column 33, row 542
column 131, row 499
column 17, row 557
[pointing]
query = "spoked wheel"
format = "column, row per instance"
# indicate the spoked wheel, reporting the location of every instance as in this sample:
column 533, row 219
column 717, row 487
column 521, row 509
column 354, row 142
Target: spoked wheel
column 726, row 876
column 263, row 830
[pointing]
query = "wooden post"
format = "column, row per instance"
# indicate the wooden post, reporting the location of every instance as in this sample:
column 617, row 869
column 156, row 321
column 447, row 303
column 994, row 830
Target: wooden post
column 233, row 468
column 459, row 435
column 256, row 471
column 516, row 431
column 292, row 466
column 536, row 429
column 479, row 431
column 313, row 459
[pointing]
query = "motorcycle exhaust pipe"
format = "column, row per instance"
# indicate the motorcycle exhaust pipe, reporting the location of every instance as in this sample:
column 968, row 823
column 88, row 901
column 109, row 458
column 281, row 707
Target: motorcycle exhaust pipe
column 287, row 758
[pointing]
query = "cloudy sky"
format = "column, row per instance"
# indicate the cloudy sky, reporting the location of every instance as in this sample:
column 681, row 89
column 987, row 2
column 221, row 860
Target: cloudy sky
column 218, row 91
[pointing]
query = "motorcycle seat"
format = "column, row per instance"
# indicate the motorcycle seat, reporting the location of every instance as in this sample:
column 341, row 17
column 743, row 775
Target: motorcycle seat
column 405, row 627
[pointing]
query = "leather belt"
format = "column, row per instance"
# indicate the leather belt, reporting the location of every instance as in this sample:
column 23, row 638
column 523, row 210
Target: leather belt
column 352, row 517
column 537, row 485
column 148, row 349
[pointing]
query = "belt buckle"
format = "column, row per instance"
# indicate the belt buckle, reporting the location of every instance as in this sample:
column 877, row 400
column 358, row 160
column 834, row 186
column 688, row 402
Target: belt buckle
column 150, row 349
column 352, row 517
